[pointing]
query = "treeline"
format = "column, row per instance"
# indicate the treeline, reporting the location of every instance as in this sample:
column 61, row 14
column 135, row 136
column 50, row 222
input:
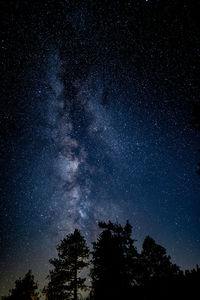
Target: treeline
column 116, row 270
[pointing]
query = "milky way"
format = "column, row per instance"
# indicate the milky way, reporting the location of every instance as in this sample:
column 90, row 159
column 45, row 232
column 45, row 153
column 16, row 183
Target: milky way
column 96, row 125
column 73, row 204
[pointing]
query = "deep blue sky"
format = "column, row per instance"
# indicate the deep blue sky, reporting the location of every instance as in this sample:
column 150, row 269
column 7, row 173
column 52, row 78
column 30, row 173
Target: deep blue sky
column 95, row 125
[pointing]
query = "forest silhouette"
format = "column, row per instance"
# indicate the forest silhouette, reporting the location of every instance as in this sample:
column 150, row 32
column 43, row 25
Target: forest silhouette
column 116, row 270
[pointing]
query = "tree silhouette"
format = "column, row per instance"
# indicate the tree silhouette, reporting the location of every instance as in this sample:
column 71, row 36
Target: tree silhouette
column 158, row 275
column 156, row 263
column 118, row 270
column 65, row 280
column 25, row 289
column 113, row 261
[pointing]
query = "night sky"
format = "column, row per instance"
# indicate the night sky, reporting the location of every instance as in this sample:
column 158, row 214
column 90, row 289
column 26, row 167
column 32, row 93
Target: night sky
column 95, row 124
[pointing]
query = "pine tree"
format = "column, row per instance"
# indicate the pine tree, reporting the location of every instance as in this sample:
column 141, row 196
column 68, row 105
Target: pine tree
column 155, row 262
column 113, row 260
column 65, row 280
column 25, row 289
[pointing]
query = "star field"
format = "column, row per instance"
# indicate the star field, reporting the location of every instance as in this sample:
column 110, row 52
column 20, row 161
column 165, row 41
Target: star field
column 96, row 125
